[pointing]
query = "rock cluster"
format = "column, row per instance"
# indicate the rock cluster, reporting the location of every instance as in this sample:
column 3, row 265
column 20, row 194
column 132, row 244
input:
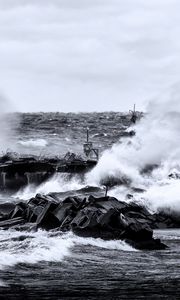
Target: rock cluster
column 98, row 217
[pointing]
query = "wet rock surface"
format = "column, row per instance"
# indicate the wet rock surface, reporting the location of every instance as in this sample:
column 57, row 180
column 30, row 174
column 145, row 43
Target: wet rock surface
column 17, row 171
column 89, row 216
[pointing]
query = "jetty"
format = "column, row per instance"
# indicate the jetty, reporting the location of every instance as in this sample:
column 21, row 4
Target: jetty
column 17, row 171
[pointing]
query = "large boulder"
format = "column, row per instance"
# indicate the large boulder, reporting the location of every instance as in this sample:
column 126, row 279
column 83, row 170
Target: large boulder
column 46, row 218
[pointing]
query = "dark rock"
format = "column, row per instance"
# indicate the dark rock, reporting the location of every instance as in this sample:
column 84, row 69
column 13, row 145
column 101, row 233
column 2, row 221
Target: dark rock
column 81, row 193
column 11, row 222
column 174, row 175
column 134, row 207
column 6, row 208
column 66, row 224
column 167, row 219
column 107, row 203
column 102, row 217
column 76, row 202
column 108, row 218
column 62, row 211
column 32, row 213
column 149, row 168
column 19, row 211
column 152, row 244
column 30, row 227
column 86, row 218
column 46, row 219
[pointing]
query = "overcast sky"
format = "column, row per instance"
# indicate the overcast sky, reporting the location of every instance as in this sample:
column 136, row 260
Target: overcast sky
column 87, row 55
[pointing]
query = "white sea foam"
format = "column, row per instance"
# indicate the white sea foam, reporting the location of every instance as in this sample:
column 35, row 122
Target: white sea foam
column 3, row 283
column 162, row 196
column 112, row 245
column 39, row 246
column 31, row 248
column 34, row 143
column 6, row 124
column 156, row 142
column 58, row 183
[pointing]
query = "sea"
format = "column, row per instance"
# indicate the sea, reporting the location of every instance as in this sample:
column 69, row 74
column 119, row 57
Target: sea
column 55, row 265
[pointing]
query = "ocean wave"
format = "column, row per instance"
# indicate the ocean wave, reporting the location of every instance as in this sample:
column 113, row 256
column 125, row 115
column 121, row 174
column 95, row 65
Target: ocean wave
column 31, row 248
column 111, row 245
column 163, row 195
column 3, row 283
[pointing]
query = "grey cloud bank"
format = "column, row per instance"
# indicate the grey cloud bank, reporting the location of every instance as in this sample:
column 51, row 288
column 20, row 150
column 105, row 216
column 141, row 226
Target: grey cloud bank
column 87, row 55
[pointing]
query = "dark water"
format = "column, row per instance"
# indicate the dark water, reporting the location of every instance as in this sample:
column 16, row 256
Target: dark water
column 101, row 271
column 54, row 266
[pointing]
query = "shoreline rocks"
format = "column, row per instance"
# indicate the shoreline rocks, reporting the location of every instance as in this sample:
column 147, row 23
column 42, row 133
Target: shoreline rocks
column 89, row 216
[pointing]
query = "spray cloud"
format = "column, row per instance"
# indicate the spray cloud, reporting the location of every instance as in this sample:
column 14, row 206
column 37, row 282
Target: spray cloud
column 6, row 120
column 156, row 142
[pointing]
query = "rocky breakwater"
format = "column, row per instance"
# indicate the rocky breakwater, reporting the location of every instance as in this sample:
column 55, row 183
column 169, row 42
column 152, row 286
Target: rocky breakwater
column 98, row 217
column 18, row 171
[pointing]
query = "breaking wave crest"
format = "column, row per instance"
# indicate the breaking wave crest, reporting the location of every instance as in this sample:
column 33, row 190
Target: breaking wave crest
column 31, row 248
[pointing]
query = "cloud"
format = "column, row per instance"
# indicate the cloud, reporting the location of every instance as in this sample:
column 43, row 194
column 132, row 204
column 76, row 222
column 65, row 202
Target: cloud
column 71, row 55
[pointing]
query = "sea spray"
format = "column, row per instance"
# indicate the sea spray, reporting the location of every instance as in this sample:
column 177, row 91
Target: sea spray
column 41, row 246
column 155, row 144
column 61, row 182
column 31, row 248
column 8, row 123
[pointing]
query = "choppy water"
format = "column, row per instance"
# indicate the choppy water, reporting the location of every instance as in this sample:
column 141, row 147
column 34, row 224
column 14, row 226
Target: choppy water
column 57, row 133
column 45, row 265
column 65, row 266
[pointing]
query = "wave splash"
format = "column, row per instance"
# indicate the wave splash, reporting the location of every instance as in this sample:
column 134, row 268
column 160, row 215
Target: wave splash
column 156, row 144
column 31, row 248
column 61, row 182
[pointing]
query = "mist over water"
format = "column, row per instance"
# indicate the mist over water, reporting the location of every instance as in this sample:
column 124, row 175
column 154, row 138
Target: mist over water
column 156, row 143
column 61, row 182
column 8, row 124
